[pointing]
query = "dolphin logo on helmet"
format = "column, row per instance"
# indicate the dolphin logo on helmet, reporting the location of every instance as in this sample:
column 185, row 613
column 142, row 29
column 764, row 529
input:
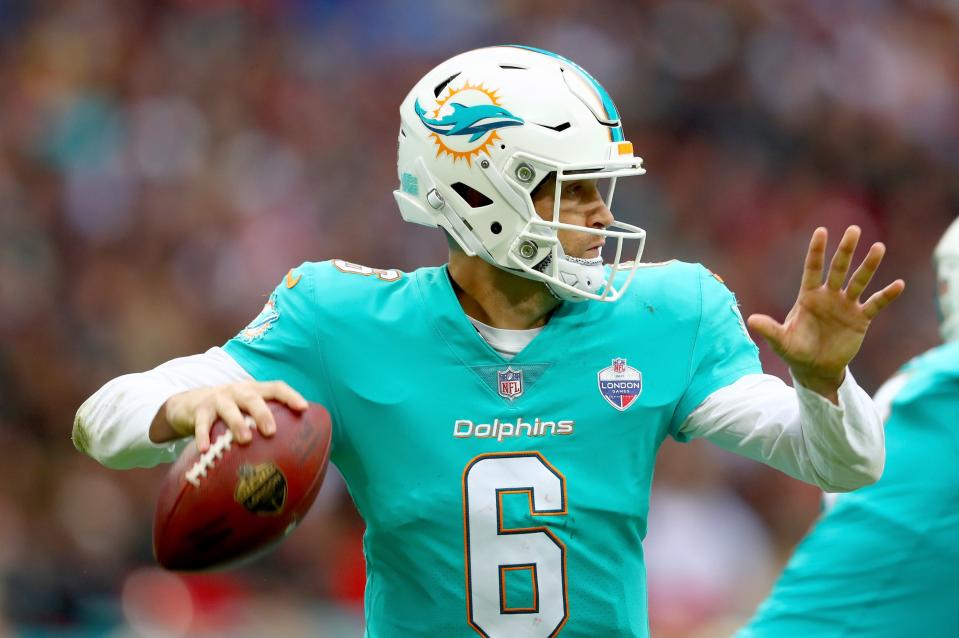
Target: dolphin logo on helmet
column 475, row 121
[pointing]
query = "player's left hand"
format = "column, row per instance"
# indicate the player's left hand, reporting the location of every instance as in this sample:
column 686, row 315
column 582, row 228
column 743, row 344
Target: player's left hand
column 826, row 326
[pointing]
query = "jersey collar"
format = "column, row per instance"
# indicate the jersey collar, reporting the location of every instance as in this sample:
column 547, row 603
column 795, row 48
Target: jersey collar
column 454, row 327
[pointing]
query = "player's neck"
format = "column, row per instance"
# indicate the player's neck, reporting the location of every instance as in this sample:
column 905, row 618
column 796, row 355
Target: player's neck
column 498, row 298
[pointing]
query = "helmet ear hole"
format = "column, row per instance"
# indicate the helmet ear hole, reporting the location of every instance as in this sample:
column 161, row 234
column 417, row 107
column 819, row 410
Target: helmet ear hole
column 470, row 195
column 496, row 228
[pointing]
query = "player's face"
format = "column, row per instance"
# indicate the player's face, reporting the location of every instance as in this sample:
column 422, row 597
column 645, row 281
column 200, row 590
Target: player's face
column 581, row 204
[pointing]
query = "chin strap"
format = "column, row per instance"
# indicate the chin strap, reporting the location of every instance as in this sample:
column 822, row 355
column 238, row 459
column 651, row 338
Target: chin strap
column 587, row 275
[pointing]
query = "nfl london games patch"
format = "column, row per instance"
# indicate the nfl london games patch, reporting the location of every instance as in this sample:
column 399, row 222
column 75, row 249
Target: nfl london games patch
column 620, row 384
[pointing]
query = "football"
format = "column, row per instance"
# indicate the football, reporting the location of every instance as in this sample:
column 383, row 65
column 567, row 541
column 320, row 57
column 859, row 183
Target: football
column 235, row 502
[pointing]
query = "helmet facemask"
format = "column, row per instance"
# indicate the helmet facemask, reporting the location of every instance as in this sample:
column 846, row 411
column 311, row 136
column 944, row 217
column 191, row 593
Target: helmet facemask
column 571, row 277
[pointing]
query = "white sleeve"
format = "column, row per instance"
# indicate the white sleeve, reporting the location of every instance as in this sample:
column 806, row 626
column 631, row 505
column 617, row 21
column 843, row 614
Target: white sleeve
column 797, row 431
column 113, row 425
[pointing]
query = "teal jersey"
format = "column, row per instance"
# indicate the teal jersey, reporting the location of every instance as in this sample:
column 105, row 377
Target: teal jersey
column 504, row 498
column 883, row 561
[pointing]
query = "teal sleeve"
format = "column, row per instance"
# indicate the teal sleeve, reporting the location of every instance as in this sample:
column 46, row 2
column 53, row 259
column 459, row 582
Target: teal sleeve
column 281, row 343
column 722, row 349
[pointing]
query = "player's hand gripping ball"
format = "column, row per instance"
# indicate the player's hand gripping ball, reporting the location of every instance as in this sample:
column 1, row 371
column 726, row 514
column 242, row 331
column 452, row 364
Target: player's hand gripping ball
column 234, row 502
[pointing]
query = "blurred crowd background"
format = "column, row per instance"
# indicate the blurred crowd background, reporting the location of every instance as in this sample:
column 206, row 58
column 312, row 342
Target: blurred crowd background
column 162, row 165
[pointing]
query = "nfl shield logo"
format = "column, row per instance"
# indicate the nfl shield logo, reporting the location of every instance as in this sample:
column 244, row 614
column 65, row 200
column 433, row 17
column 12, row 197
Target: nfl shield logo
column 620, row 384
column 510, row 383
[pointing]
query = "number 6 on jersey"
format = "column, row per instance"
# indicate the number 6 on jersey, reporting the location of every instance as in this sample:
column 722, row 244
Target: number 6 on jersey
column 495, row 554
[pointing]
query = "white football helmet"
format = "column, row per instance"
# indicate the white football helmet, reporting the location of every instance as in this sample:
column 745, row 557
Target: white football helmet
column 480, row 131
column 946, row 260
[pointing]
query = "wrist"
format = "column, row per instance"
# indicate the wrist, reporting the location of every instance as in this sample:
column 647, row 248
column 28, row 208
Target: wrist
column 161, row 431
column 824, row 385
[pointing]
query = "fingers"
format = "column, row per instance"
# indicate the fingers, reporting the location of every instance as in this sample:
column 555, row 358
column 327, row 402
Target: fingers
column 284, row 394
column 863, row 275
column 241, row 406
column 815, row 257
column 203, row 421
column 229, row 411
column 841, row 260
column 767, row 327
column 254, row 405
column 883, row 298
column 252, row 400
column 839, row 267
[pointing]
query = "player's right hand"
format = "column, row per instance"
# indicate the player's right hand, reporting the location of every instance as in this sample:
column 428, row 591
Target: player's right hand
column 195, row 411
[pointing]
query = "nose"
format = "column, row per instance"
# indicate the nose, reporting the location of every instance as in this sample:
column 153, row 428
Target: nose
column 600, row 215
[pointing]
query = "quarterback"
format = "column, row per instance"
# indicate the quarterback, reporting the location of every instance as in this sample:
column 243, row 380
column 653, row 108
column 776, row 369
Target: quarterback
column 882, row 562
column 497, row 418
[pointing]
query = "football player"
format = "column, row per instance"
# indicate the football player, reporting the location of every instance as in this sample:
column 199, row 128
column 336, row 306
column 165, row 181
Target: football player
column 497, row 418
column 883, row 561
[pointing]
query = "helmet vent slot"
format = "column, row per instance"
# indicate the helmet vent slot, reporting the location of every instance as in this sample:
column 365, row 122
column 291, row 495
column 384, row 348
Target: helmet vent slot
column 558, row 128
column 442, row 85
column 510, row 67
column 470, row 195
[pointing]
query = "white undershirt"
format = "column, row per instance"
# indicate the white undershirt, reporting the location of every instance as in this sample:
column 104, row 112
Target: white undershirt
column 508, row 343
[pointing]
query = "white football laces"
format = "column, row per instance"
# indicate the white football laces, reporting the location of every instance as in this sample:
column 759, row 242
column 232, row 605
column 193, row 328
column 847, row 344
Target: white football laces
column 207, row 460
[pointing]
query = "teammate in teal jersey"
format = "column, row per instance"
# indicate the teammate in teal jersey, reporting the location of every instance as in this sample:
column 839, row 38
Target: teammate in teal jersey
column 497, row 418
column 883, row 561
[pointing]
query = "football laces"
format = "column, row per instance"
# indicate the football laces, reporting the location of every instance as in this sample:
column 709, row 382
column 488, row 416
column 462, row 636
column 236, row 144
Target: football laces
column 209, row 458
